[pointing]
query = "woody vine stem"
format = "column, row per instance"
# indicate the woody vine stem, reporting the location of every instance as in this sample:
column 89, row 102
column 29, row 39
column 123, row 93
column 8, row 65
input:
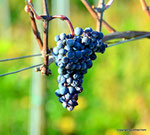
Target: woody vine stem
column 95, row 11
column 46, row 19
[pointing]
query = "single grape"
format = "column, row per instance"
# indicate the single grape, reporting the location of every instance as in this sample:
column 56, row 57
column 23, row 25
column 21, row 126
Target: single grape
column 88, row 30
column 63, row 90
column 71, row 90
column 85, row 40
column 78, row 54
column 64, row 104
column 89, row 63
column 70, row 42
column 57, row 38
column 56, row 51
column 62, row 36
column 60, row 44
column 100, row 35
column 70, row 54
column 57, row 93
column 78, row 31
column 62, row 51
column 65, row 60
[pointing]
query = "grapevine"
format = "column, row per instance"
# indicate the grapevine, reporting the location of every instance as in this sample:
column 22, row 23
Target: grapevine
column 74, row 52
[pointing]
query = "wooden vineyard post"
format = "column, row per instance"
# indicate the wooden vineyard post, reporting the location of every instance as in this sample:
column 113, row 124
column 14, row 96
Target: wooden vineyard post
column 5, row 22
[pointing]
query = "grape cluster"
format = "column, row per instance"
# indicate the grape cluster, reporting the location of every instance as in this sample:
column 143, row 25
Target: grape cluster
column 73, row 56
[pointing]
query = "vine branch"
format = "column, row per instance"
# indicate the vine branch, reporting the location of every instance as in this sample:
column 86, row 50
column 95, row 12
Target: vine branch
column 96, row 17
column 35, row 30
column 45, row 70
column 127, row 40
column 101, row 5
column 145, row 7
column 62, row 17
column 124, row 35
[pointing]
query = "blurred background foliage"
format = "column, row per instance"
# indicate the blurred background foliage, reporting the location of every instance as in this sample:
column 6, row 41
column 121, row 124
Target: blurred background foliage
column 116, row 90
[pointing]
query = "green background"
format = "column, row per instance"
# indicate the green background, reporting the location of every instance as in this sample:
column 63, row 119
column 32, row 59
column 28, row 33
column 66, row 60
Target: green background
column 116, row 90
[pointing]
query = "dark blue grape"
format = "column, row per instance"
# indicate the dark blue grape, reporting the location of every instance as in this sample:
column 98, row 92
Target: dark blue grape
column 61, row 71
column 60, row 85
column 62, row 36
column 88, row 30
column 59, row 78
column 60, row 44
column 76, row 76
column 73, row 66
column 68, row 66
column 78, row 54
column 70, row 54
column 93, row 56
column 95, row 34
column 85, row 40
column 69, row 36
column 78, row 31
column 91, row 45
column 100, row 35
column 67, row 76
column 70, row 108
column 68, row 48
column 84, row 52
column 62, row 51
column 57, row 93
column 75, row 60
column 89, row 63
column 63, row 90
column 57, row 38
column 65, row 60
column 61, row 100
column 78, row 66
column 56, row 51
column 70, row 42
column 69, row 80
column 79, row 89
column 71, row 90
column 77, row 39
column 68, row 96
column 64, row 104
column 72, row 103
column 89, row 51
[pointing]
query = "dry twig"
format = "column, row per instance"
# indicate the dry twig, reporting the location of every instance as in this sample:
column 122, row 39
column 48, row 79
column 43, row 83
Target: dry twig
column 128, row 40
column 101, row 5
column 45, row 51
column 95, row 16
column 124, row 35
column 35, row 30
column 145, row 8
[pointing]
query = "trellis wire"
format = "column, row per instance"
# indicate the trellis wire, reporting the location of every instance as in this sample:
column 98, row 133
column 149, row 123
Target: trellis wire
column 22, row 57
column 20, row 70
column 127, row 40
column 35, row 55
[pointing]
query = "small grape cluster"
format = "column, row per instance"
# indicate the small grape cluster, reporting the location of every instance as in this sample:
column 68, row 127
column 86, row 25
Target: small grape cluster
column 73, row 56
